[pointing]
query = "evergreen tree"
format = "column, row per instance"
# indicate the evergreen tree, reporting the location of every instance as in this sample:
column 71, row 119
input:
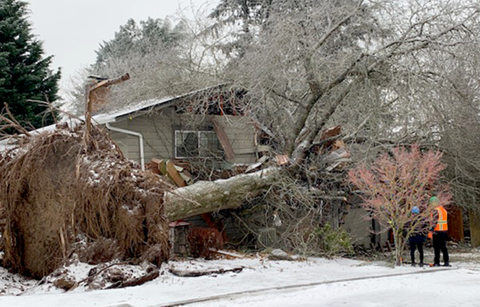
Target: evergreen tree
column 24, row 72
column 248, row 15
column 154, row 52
column 150, row 36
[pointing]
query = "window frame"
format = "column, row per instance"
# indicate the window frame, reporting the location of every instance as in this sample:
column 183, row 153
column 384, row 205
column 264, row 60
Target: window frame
column 199, row 143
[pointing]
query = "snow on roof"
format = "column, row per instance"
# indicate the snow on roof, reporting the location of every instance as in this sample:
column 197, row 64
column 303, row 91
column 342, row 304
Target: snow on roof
column 145, row 105
column 110, row 117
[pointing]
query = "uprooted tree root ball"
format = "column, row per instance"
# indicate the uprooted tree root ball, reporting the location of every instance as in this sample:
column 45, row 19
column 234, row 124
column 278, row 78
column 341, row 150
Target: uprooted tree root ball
column 57, row 190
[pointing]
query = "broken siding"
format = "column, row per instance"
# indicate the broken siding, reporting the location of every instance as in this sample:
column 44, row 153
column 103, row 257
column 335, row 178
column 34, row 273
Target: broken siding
column 241, row 134
column 158, row 132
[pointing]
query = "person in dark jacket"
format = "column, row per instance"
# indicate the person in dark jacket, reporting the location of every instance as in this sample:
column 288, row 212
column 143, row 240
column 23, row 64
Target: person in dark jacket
column 416, row 239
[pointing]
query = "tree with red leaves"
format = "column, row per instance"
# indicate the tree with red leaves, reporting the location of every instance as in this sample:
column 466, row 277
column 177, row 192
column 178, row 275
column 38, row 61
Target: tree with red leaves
column 397, row 182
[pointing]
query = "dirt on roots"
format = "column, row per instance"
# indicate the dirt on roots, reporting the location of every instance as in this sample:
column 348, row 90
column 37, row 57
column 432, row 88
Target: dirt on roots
column 62, row 195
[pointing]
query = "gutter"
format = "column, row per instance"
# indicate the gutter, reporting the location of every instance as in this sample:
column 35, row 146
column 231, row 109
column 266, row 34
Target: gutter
column 140, row 141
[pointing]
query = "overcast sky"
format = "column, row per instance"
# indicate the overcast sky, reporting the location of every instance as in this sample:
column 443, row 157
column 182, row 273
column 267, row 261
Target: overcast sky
column 71, row 30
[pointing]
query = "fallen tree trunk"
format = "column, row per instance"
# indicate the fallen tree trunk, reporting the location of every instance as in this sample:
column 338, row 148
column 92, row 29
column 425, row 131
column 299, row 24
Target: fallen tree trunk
column 210, row 196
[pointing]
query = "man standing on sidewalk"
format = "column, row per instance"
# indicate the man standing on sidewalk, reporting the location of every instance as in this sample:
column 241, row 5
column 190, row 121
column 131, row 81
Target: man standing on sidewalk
column 439, row 234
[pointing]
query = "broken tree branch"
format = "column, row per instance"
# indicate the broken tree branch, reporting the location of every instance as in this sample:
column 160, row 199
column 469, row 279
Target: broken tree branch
column 12, row 121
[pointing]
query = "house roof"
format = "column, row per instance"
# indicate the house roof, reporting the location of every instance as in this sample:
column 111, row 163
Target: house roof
column 148, row 105
column 131, row 111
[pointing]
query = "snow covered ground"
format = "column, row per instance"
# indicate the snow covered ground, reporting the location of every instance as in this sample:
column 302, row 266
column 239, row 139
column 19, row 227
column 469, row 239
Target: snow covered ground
column 312, row 282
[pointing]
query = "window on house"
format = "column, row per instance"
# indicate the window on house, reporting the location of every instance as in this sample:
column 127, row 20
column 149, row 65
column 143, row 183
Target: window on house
column 196, row 144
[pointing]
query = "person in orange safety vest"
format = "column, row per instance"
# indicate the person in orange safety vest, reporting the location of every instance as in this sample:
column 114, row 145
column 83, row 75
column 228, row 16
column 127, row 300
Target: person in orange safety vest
column 439, row 233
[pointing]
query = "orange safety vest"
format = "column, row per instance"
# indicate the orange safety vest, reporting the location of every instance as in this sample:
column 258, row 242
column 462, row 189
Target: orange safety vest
column 442, row 219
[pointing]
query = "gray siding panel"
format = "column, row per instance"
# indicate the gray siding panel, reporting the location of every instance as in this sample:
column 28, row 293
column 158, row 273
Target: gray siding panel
column 158, row 132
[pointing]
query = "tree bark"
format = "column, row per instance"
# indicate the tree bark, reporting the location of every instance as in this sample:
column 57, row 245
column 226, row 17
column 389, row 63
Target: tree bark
column 210, row 196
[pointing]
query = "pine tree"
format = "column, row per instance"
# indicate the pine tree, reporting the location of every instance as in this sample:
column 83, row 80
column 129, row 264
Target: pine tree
column 250, row 15
column 24, row 71
column 146, row 37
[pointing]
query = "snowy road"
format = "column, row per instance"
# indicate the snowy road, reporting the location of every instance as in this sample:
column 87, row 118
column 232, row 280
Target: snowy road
column 263, row 296
column 458, row 286
column 447, row 288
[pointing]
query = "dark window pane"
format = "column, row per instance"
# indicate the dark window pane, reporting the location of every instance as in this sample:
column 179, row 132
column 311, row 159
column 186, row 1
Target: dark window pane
column 186, row 144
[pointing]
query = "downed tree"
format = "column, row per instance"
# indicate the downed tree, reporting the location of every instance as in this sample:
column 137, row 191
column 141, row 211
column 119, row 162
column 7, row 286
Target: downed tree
column 63, row 193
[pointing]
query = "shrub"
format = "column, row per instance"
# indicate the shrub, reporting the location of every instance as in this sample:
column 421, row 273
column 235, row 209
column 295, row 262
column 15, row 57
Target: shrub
column 333, row 241
column 202, row 239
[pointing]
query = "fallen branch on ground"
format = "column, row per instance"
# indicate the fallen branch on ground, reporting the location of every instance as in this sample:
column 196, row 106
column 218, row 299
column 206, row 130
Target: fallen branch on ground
column 136, row 281
column 196, row 273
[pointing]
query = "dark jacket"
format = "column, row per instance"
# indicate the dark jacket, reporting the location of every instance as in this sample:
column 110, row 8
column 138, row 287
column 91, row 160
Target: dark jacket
column 417, row 238
column 419, row 234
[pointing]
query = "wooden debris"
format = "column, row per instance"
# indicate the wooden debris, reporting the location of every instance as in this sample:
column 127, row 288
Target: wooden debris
column 331, row 132
column 176, row 173
column 338, row 144
column 224, row 141
column 97, row 96
column 380, row 247
column 173, row 173
column 282, row 159
column 98, row 91
column 96, row 271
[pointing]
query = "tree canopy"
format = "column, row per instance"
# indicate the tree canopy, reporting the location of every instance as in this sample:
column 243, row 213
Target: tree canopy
column 389, row 72
column 161, row 57
column 25, row 76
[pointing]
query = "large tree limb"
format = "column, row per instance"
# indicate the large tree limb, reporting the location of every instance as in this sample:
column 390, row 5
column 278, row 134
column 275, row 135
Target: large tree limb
column 210, row 196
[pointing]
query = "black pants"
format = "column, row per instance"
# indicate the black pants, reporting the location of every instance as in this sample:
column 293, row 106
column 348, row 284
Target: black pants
column 413, row 246
column 440, row 244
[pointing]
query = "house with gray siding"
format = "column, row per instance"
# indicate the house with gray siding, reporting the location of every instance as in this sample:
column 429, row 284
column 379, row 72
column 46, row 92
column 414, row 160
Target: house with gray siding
column 206, row 124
